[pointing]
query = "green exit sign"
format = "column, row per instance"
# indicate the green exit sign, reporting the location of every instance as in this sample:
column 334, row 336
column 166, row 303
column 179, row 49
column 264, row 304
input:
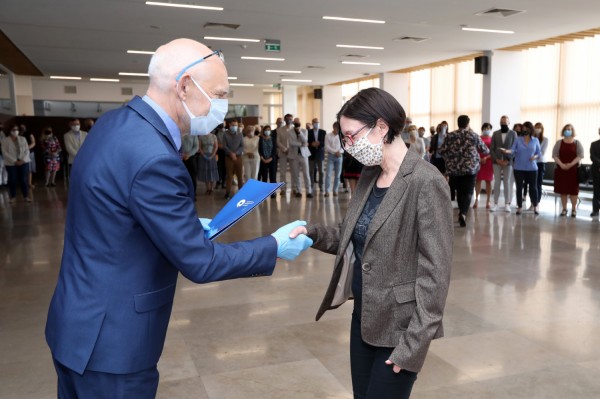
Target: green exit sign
column 273, row 46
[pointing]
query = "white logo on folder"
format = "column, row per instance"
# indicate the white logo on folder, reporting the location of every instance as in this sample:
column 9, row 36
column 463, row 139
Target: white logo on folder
column 244, row 203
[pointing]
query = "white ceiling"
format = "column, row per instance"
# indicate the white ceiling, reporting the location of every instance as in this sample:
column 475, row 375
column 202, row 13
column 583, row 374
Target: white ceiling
column 89, row 38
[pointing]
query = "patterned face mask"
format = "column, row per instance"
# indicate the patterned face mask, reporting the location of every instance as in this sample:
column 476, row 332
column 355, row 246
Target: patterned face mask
column 365, row 152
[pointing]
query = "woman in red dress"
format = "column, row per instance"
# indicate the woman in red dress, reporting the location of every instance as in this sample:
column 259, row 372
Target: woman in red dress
column 486, row 171
column 567, row 153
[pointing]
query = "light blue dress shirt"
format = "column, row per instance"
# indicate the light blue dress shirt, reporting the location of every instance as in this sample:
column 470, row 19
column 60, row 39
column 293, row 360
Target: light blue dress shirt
column 167, row 120
column 523, row 152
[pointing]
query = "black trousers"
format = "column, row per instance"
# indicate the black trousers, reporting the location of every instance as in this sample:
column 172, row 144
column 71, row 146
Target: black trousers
column 371, row 377
column 192, row 167
column 540, row 179
column 221, row 167
column 267, row 170
column 464, row 186
column 596, row 180
column 528, row 177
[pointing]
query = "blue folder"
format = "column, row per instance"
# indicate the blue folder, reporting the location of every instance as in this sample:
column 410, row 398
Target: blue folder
column 252, row 193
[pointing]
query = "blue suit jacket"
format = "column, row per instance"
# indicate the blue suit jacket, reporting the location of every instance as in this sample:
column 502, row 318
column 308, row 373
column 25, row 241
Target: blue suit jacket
column 131, row 228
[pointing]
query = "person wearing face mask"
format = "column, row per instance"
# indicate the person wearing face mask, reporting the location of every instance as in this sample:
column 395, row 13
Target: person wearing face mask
column 436, row 142
column 405, row 133
column 393, row 251
column 251, row 159
column 486, row 172
column 567, row 153
column 31, row 142
column 298, row 157
column 15, row 151
column 502, row 139
column 538, row 132
column 208, row 168
column 417, row 144
column 132, row 227
column 233, row 145
column 427, row 141
column 267, row 151
column 3, row 173
column 282, row 137
column 74, row 139
column 316, row 142
column 461, row 151
column 52, row 150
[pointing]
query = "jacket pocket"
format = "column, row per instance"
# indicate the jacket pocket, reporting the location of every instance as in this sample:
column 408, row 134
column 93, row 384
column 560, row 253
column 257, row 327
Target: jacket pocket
column 155, row 299
column 405, row 292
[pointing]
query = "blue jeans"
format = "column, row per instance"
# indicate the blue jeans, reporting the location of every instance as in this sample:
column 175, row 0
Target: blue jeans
column 333, row 165
column 18, row 175
column 371, row 377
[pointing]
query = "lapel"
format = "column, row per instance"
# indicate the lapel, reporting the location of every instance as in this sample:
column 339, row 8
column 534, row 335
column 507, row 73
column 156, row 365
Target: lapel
column 146, row 112
column 394, row 194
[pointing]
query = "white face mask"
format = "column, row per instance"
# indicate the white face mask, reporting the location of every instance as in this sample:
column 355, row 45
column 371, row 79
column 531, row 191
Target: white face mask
column 316, row 126
column 76, row 128
column 365, row 152
column 486, row 132
column 14, row 133
column 203, row 125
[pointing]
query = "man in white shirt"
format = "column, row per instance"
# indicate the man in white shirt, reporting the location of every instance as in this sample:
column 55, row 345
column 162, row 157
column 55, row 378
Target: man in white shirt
column 298, row 157
column 503, row 170
column 283, row 149
column 74, row 139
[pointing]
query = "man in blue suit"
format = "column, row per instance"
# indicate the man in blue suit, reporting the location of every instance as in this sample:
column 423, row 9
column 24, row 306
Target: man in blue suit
column 132, row 227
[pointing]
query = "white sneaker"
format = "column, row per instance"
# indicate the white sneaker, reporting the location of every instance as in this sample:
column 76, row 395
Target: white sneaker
column 507, row 208
column 494, row 208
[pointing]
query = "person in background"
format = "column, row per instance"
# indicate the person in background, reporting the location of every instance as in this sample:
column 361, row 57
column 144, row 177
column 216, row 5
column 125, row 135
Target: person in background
column 461, row 151
column 393, row 251
column 502, row 139
column 208, row 170
column 518, row 128
column 417, row 144
column 257, row 131
column 298, row 157
column 567, row 153
column 251, row 159
column 221, row 131
column 538, row 132
column 52, row 150
column 282, row 138
column 3, row 173
column 595, row 156
column 233, row 146
column 31, row 142
column 486, row 171
column 189, row 149
column 351, row 170
column 334, row 151
column 437, row 140
column 316, row 145
column 526, row 151
column 88, row 124
column 405, row 134
column 15, row 151
column 427, row 141
column 267, row 151
column 74, row 139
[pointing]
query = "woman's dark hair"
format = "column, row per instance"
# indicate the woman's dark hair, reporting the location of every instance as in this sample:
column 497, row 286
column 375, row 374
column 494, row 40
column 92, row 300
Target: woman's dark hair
column 486, row 125
column 463, row 121
column 370, row 105
column 529, row 126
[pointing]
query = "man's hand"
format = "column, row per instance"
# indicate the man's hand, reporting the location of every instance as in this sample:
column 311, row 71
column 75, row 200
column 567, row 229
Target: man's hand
column 288, row 247
column 232, row 156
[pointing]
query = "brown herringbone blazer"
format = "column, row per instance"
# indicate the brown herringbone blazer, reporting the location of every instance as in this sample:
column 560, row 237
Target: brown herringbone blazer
column 406, row 261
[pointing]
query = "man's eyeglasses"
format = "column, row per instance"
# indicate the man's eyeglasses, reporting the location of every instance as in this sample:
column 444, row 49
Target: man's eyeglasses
column 218, row 53
column 347, row 140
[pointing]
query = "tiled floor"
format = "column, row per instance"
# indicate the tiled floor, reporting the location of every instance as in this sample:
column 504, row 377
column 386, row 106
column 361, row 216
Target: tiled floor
column 522, row 318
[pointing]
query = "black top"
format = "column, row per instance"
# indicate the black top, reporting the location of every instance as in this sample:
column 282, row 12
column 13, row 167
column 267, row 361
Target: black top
column 359, row 235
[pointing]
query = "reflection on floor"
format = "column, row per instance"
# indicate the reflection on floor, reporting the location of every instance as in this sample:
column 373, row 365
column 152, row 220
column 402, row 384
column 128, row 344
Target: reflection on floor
column 522, row 319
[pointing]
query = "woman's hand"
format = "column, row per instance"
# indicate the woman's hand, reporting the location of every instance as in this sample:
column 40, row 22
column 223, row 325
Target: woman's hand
column 297, row 231
column 397, row 369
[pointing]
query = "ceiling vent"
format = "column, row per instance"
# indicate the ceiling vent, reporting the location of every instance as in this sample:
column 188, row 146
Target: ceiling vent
column 411, row 39
column 315, row 67
column 499, row 12
column 217, row 25
column 70, row 89
column 354, row 56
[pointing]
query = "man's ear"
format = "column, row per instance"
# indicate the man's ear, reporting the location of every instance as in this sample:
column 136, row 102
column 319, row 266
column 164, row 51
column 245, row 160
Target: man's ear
column 183, row 86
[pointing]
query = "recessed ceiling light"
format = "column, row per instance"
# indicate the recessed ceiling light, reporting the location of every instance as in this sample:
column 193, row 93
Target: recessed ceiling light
column 360, row 63
column 487, row 30
column 103, row 80
column 242, row 84
column 132, row 74
column 232, row 78
column 297, row 80
column 281, row 71
column 370, row 21
column 140, row 52
column 363, row 47
column 231, row 39
column 159, row 3
column 66, row 77
column 263, row 58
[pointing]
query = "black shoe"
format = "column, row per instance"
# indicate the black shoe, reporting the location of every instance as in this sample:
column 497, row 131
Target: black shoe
column 309, row 195
column 273, row 195
column 461, row 220
column 594, row 214
column 298, row 195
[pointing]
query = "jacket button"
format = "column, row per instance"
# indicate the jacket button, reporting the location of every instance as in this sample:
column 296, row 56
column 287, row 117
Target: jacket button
column 366, row 267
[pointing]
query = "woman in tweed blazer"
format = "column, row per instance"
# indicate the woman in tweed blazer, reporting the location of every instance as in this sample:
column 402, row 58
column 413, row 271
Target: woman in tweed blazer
column 393, row 250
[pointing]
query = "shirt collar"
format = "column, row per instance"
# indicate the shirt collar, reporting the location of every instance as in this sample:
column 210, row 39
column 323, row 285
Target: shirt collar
column 167, row 120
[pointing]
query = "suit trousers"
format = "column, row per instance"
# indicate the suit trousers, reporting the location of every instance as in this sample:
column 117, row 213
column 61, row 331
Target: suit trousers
column 234, row 168
column 18, row 176
column 98, row 385
column 465, row 185
column 526, row 177
column 267, row 170
column 503, row 174
column 596, row 182
column 251, row 167
column 299, row 165
column 540, row 180
column 282, row 166
column 316, row 167
column 371, row 377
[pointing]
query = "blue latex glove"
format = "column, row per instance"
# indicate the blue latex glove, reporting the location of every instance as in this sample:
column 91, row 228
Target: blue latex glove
column 205, row 222
column 288, row 248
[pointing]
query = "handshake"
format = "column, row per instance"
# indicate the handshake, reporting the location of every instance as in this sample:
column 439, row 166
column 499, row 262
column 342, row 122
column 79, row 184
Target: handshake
column 288, row 248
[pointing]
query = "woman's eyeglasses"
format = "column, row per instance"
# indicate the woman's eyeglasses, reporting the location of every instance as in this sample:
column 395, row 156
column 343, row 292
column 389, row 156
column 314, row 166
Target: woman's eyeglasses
column 347, row 140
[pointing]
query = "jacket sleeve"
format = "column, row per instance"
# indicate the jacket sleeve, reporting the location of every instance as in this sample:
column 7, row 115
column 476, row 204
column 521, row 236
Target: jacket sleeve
column 435, row 246
column 8, row 158
column 69, row 145
column 595, row 155
column 325, row 238
column 160, row 202
column 556, row 150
